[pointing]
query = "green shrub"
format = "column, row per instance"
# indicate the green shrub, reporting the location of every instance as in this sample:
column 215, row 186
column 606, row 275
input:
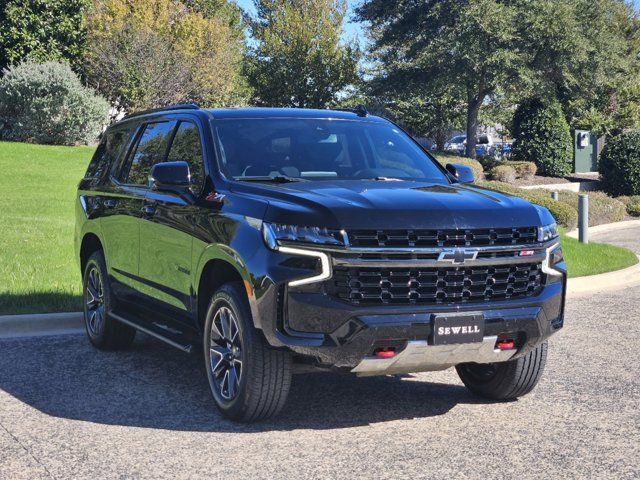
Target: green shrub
column 488, row 161
column 602, row 209
column 542, row 135
column 46, row 103
column 632, row 204
column 503, row 173
column 620, row 165
column 565, row 214
column 478, row 171
column 524, row 170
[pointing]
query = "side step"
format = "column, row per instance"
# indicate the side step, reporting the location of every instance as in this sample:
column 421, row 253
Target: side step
column 185, row 347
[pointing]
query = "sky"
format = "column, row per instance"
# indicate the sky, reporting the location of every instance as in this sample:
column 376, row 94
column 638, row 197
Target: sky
column 352, row 29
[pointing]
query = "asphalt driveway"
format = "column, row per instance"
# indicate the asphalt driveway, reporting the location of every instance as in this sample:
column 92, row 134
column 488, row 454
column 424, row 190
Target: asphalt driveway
column 68, row 411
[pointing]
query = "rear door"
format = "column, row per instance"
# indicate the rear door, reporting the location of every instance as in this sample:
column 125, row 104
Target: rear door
column 121, row 227
column 166, row 236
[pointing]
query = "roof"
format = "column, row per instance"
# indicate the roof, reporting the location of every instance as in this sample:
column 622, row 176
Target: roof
column 260, row 112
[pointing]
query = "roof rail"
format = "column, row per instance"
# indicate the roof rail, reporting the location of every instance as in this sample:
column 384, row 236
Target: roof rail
column 178, row 106
column 360, row 110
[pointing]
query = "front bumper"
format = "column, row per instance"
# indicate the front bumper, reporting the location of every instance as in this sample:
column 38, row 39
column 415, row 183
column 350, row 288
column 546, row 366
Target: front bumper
column 332, row 333
column 329, row 331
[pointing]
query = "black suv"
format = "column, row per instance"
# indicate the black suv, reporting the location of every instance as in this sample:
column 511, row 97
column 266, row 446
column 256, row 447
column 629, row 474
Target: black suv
column 282, row 238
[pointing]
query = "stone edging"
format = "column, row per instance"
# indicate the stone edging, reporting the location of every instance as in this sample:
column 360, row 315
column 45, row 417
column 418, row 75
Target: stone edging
column 604, row 282
column 607, row 227
column 42, row 324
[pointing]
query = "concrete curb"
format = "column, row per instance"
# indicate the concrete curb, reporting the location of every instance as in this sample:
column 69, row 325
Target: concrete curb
column 607, row 227
column 39, row 325
column 604, row 282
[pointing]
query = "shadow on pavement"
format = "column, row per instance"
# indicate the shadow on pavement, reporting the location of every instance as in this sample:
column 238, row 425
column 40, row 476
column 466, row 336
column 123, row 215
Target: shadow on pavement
column 154, row 386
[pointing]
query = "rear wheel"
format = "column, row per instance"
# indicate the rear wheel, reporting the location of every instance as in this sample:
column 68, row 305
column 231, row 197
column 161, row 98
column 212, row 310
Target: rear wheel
column 103, row 331
column 249, row 380
column 505, row 380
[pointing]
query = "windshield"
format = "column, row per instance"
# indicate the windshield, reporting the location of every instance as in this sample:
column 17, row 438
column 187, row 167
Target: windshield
column 320, row 149
column 458, row 139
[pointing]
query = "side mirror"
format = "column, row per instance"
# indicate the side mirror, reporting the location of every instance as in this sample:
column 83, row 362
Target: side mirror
column 171, row 177
column 462, row 173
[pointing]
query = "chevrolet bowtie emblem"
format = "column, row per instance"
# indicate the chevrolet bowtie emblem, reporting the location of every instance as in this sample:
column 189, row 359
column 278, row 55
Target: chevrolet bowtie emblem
column 457, row 255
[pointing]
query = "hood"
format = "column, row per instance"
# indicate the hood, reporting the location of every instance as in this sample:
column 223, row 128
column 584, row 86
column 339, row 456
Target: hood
column 361, row 204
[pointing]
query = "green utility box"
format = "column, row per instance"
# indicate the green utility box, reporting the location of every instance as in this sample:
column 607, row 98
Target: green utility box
column 586, row 150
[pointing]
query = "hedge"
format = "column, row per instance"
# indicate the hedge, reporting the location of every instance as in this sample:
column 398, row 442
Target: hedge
column 47, row 103
column 632, row 204
column 565, row 214
column 542, row 135
column 620, row 165
column 503, row 173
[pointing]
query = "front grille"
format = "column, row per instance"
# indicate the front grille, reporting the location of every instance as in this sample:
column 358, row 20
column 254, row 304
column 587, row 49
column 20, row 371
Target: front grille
column 442, row 238
column 410, row 286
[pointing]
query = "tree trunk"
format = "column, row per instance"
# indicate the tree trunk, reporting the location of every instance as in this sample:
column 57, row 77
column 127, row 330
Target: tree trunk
column 473, row 108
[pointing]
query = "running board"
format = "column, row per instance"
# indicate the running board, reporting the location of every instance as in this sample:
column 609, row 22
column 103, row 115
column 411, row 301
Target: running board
column 184, row 347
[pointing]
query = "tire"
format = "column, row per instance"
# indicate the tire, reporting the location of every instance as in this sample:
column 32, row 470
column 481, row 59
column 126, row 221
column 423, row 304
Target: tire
column 232, row 343
column 103, row 331
column 505, row 380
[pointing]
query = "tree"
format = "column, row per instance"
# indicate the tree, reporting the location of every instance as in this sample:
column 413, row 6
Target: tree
column 468, row 44
column 542, row 136
column 299, row 60
column 42, row 30
column 517, row 48
column 148, row 53
column 432, row 117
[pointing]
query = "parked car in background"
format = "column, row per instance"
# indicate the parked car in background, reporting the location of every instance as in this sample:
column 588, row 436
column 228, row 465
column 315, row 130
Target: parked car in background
column 503, row 149
column 458, row 144
column 427, row 143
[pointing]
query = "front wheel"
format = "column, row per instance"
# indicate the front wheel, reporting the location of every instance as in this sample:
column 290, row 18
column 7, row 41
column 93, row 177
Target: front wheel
column 505, row 380
column 249, row 380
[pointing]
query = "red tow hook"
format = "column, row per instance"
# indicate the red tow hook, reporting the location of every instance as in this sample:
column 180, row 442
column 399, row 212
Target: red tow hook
column 505, row 344
column 386, row 352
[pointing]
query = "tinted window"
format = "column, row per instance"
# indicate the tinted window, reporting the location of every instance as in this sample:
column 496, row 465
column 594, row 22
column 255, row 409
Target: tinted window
column 108, row 150
column 319, row 149
column 151, row 149
column 186, row 147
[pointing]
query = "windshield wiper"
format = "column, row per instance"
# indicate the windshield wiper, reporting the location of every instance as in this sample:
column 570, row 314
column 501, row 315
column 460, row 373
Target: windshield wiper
column 386, row 179
column 274, row 179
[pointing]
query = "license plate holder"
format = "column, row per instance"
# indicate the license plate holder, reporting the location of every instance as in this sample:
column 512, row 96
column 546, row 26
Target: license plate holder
column 454, row 329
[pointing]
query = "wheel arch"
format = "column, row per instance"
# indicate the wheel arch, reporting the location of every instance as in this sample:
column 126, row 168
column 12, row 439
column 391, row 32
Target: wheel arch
column 91, row 243
column 215, row 271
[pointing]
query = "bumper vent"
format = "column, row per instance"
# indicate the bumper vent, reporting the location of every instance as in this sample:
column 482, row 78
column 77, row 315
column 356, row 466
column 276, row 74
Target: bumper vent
column 442, row 238
column 381, row 286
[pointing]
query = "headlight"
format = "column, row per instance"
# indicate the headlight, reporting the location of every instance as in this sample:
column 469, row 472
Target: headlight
column 276, row 234
column 547, row 232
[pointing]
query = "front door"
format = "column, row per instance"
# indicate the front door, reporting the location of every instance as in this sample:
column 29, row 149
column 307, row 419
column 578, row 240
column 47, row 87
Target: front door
column 125, row 210
column 166, row 238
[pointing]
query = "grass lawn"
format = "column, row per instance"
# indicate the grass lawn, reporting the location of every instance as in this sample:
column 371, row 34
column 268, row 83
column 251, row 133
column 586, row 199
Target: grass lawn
column 38, row 272
column 594, row 258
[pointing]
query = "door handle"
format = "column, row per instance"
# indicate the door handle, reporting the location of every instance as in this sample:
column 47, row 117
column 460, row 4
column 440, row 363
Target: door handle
column 149, row 210
column 110, row 203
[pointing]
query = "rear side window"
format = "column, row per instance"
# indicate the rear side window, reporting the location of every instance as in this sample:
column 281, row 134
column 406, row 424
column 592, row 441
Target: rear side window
column 151, row 149
column 186, row 147
column 108, row 151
